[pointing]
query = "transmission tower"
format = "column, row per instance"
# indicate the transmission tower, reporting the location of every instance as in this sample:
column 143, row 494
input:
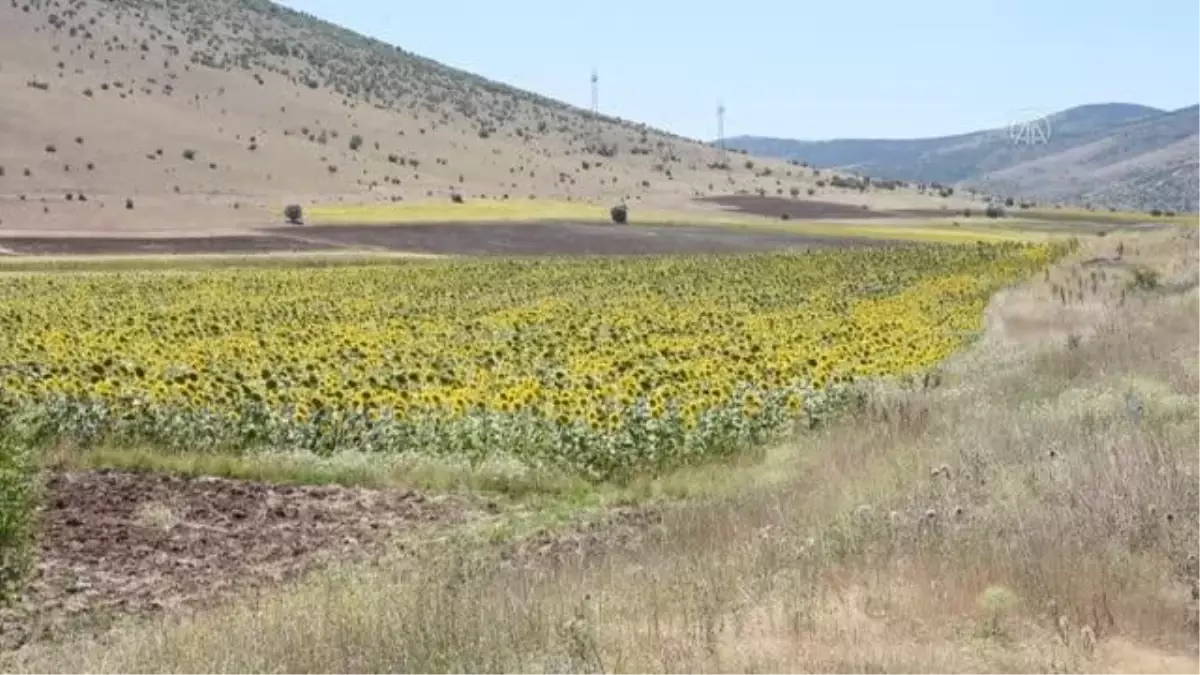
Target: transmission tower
column 595, row 94
column 595, row 110
column 721, row 131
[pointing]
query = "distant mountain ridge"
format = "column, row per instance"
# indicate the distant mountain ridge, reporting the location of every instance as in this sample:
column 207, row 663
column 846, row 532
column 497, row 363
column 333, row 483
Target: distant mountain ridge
column 1109, row 154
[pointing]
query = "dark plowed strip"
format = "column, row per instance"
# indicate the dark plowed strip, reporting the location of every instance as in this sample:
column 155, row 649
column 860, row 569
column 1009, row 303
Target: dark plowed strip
column 569, row 239
column 807, row 209
column 115, row 543
column 548, row 238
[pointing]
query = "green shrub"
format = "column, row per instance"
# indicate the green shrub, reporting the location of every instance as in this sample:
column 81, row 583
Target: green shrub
column 293, row 213
column 619, row 214
column 18, row 504
column 1144, row 279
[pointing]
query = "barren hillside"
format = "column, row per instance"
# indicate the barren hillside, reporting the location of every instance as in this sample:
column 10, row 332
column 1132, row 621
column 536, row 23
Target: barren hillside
column 211, row 113
column 1112, row 154
column 1144, row 164
column 949, row 159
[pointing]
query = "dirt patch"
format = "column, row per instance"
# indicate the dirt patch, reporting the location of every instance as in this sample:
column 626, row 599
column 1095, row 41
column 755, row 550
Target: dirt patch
column 116, row 544
column 809, row 209
column 474, row 239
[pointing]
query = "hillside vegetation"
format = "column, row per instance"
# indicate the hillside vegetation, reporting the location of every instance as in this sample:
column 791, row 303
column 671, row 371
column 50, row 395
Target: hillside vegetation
column 1119, row 155
column 209, row 113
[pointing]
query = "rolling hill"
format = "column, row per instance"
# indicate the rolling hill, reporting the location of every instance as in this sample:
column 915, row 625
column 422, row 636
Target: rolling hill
column 210, row 114
column 1114, row 154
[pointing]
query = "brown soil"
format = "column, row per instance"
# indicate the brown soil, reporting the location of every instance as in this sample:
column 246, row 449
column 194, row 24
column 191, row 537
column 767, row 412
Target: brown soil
column 568, row 238
column 808, row 209
column 453, row 239
column 117, row 544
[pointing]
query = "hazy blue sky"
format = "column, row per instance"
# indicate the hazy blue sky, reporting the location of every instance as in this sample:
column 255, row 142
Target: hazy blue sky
column 808, row 68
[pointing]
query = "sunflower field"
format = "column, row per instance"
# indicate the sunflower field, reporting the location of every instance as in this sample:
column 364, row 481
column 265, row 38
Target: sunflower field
column 601, row 366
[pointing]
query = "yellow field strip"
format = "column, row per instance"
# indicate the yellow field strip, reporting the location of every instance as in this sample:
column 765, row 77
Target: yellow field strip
column 529, row 211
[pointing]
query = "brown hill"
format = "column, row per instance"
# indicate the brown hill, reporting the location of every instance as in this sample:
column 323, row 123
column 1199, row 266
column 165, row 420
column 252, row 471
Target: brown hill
column 211, row 114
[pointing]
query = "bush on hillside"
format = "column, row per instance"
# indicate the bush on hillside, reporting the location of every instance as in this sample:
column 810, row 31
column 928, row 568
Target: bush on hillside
column 620, row 214
column 293, row 213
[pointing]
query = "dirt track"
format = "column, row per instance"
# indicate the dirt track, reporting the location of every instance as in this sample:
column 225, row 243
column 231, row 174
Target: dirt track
column 563, row 238
column 114, row 543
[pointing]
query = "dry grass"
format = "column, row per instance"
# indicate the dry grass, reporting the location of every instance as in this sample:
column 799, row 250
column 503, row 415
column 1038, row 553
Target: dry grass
column 1104, row 216
column 1036, row 511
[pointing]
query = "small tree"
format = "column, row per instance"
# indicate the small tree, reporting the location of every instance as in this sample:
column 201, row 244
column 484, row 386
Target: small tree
column 619, row 214
column 356, row 142
column 293, row 213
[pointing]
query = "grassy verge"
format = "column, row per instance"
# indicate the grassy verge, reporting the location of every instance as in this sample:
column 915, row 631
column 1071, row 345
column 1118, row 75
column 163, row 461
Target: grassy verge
column 512, row 484
column 1114, row 217
column 1035, row 512
column 184, row 262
